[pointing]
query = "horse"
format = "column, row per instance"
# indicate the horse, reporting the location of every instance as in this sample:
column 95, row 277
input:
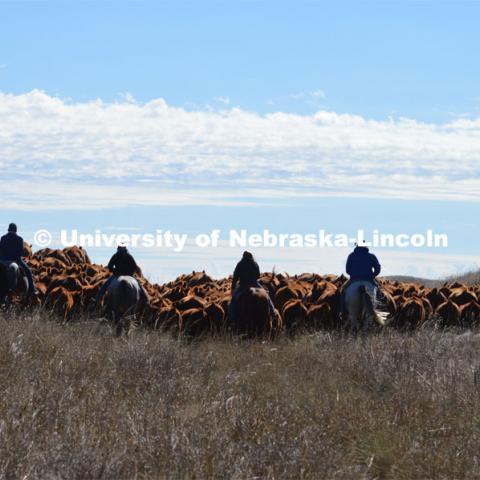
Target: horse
column 360, row 303
column 123, row 298
column 253, row 313
column 12, row 281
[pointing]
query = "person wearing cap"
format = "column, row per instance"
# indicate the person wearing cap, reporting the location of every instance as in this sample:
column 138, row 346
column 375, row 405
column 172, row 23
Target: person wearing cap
column 121, row 263
column 12, row 250
column 246, row 275
column 361, row 266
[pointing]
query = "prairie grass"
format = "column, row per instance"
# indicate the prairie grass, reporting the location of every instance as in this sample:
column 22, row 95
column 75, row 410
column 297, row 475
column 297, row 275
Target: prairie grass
column 469, row 278
column 78, row 403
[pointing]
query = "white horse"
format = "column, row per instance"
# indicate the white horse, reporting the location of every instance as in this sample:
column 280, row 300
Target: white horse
column 124, row 298
column 360, row 301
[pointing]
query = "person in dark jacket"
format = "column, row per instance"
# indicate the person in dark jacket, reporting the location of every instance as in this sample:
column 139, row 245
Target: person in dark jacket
column 361, row 266
column 246, row 275
column 12, row 250
column 121, row 263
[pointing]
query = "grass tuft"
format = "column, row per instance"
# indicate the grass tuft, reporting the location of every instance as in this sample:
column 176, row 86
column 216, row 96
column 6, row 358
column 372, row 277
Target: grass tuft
column 78, row 403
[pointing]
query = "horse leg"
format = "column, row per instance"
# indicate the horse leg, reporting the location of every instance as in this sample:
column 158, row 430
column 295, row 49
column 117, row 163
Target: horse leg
column 119, row 329
column 117, row 322
column 353, row 320
column 367, row 322
column 127, row 325
column 368, row 308
column 8, row 301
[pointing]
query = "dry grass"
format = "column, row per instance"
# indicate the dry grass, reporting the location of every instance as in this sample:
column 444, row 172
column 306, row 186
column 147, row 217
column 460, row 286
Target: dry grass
column 78, row 403
column 469, row 278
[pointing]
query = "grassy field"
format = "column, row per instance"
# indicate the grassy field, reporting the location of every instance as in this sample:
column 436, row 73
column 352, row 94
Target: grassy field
column 78, row 403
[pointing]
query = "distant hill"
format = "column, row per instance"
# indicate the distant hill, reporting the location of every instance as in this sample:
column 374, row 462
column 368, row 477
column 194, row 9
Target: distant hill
column 469, row 278
column 428, row 282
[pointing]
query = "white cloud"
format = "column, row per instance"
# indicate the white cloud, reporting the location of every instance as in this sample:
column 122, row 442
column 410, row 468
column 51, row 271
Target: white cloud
column 101, row 154
column 127, row 97
column 224, row 100
column 318, row 94
column 312, row 96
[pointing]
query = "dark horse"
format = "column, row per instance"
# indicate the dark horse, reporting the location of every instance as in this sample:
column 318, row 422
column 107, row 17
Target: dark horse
column 123, row 299
column 12, row 281
column 253, row 313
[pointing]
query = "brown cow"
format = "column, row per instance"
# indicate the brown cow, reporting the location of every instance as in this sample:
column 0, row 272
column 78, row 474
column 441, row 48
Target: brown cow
column 216, row 315
column 27, row 250
column 169, row 319
column 410, row 315
column 284, row 295
column 436, row 298
column 411, row 290
column 61, row 301
column 195, row 322
column 449, row 313
column 428, row 307
column 389, row 302
column 41, row 289
column 77, row 255
column 189, row 302
column 198, row 278
column 446, row 291
column 53, row 262
column 294, row 315
column 320, row 291
column 70, row 283
column 461, row 296
column 321, row 316
column 470, row 314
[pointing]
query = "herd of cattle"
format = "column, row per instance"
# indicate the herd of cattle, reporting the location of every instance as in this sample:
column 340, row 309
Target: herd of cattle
column 196, row 304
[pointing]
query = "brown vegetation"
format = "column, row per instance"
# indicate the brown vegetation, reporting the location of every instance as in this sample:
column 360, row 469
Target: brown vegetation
column 78, row 403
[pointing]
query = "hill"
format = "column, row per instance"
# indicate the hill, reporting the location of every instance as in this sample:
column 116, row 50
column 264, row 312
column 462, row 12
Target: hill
column 469, row 278
column 428, row 282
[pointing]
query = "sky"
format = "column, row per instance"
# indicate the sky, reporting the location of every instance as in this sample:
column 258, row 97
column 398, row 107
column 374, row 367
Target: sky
column 289, row 116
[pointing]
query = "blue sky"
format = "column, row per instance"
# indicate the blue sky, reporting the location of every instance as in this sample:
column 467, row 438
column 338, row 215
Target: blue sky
column 375, row 59
column 288, row 115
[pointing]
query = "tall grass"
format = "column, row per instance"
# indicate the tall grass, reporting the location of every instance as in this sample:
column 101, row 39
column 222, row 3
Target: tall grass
column 78, row 403
column 469, row 278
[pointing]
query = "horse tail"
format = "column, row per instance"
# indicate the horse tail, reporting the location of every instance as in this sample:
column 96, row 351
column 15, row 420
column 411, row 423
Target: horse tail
column 369, row 304
column 124, row 294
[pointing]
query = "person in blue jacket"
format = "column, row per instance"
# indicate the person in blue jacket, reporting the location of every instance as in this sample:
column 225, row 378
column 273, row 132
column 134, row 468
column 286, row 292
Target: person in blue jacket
column 361, row 266
column 12, row 250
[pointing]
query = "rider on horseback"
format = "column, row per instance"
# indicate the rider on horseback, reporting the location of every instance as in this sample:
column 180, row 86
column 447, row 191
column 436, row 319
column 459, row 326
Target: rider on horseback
column 12, row 250
column 247, row 273
column 361, row 266
column 121, row 263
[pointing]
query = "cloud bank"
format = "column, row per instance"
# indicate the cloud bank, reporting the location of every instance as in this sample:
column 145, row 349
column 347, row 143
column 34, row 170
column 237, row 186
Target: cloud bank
column 97, row 154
